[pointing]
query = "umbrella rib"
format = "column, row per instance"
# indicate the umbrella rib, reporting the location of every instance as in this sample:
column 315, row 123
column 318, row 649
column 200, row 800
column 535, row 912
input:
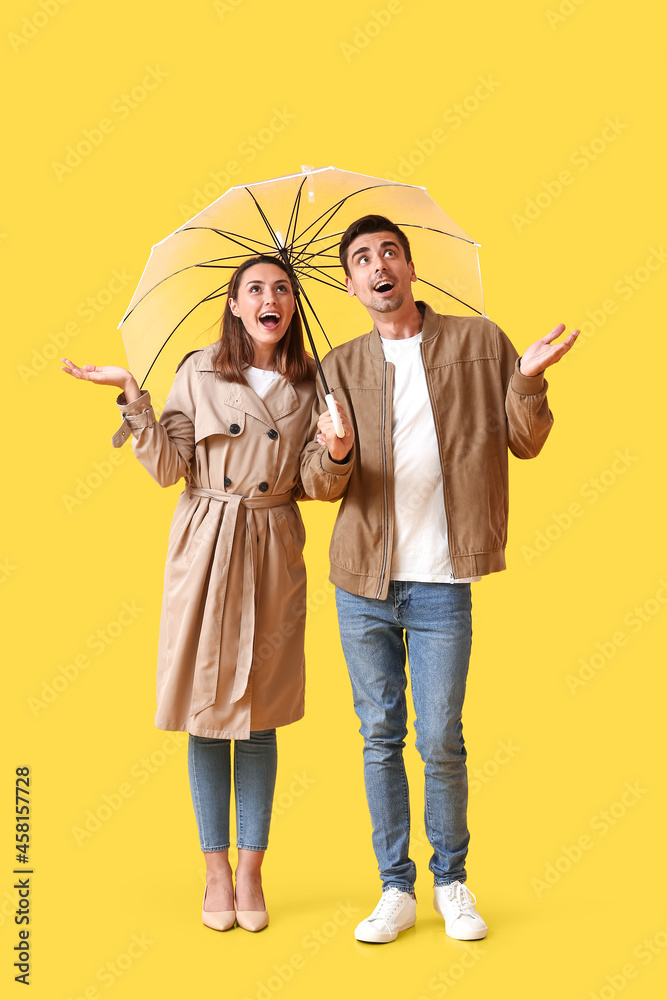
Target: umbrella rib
column 266, row 221
column 291, row 225
column 207, row 298
column 445, row 292
column 181, row 270
column 232, row 237
column 313, row 277
column 310, row 305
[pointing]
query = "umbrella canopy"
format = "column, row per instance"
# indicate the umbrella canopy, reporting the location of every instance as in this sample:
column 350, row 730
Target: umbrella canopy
column 180, row 297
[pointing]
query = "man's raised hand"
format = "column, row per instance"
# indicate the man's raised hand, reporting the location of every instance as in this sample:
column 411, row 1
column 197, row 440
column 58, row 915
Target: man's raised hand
column 543, row 352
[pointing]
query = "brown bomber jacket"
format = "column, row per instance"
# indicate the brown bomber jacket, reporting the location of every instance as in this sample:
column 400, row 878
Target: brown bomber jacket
column 482, row 405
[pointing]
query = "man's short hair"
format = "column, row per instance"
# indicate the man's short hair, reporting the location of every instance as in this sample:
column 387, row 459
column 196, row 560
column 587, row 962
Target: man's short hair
column 371, row 224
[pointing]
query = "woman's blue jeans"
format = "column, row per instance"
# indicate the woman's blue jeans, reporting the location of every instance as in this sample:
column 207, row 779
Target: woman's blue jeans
column 209, row 767
column 436, row 621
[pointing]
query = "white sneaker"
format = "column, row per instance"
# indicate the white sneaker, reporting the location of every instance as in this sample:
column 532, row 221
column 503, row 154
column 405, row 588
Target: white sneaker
column 395, row 912
column 455, row 903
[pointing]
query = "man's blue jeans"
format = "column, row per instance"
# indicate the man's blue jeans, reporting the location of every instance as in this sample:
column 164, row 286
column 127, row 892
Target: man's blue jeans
column 436, row 619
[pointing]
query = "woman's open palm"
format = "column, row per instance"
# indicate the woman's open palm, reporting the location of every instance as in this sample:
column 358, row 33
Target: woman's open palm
column 105, row 375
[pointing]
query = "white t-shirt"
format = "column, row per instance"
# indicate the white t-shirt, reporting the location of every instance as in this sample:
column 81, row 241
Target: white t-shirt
column 259, row 379
column 420, row 552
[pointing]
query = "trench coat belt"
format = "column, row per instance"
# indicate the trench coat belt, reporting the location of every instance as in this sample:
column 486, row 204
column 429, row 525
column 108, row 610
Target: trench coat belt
column 207, row 663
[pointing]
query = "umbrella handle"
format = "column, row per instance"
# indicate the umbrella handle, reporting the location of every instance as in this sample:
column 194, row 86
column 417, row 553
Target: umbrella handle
column 335, row 415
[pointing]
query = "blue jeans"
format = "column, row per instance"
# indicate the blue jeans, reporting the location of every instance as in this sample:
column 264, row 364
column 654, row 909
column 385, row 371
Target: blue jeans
column 436, row 620
column 209, row 767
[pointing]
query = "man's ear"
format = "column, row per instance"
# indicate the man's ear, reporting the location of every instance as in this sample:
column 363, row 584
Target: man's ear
column 350, row 289
column 233, row 306
column 413, row 276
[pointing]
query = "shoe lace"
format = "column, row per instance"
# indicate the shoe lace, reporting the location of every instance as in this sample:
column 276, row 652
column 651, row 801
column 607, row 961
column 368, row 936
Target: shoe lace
column 460, row 894
column 389, row 903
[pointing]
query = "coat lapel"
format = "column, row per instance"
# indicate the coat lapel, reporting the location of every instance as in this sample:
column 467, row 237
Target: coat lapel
column 280, row 400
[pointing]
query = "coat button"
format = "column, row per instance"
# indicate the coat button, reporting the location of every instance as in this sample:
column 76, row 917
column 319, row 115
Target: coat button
column 272, row 434
column 228, row 482
column 234, row 428
column 263, row 487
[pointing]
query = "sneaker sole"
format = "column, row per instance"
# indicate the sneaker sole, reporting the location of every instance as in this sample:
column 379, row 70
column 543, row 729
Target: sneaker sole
column 376, row 937
column 474, row 936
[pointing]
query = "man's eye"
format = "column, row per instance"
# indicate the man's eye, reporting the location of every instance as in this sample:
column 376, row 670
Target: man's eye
column 362, row 259
column 390, row 252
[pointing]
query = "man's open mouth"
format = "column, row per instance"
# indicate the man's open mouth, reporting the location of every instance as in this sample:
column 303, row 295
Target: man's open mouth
column 383, row 286
column 269, row 320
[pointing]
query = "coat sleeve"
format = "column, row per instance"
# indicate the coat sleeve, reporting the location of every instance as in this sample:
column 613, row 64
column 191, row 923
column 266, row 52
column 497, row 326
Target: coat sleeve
column 165, row 447
column 321, row 477
column 529, row 418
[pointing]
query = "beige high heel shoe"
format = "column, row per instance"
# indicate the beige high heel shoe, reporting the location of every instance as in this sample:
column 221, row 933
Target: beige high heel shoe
column 252, row 920
column 217, row 920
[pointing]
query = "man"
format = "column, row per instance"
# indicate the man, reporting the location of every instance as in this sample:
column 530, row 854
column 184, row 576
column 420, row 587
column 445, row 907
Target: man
column 435, row 402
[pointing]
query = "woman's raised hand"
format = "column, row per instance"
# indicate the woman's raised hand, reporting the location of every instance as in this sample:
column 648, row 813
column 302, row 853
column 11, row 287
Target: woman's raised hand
column 105, row 375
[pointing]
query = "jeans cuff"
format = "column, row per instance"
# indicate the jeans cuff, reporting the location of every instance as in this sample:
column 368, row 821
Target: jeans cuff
column 210, row 850
column 401, row 888
column 249, row 847
column 439, row 882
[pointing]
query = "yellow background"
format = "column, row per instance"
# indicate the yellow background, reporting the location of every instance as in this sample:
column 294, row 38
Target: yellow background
column 362, row 98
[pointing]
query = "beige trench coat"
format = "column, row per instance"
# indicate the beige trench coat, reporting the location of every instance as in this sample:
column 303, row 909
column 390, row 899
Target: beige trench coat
column 230, row 652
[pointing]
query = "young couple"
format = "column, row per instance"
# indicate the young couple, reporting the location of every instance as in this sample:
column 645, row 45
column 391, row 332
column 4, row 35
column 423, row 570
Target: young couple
column 430, row 405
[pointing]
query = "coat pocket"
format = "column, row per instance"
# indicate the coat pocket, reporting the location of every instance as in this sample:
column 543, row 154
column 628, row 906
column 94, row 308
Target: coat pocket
column 286, row 538
column 211, row 419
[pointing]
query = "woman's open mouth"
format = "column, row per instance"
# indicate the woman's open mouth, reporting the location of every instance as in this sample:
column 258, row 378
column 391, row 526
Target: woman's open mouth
column 270, row 320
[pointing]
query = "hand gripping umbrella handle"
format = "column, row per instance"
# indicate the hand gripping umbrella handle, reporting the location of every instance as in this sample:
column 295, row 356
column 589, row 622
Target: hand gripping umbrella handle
column 335, row 416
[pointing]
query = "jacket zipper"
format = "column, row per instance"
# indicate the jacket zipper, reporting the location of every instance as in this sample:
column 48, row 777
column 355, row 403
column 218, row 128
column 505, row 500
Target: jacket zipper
column 427, row 373
column 384, row 479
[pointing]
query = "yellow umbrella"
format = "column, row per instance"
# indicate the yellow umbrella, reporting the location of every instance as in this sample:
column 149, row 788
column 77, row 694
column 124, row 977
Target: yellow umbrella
column 180, row 297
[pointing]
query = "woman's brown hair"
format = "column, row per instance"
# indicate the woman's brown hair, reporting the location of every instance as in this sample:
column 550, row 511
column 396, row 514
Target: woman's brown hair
column 235, row 347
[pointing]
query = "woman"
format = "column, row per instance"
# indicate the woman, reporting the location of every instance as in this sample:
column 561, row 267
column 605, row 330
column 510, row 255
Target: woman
column 230, row 655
